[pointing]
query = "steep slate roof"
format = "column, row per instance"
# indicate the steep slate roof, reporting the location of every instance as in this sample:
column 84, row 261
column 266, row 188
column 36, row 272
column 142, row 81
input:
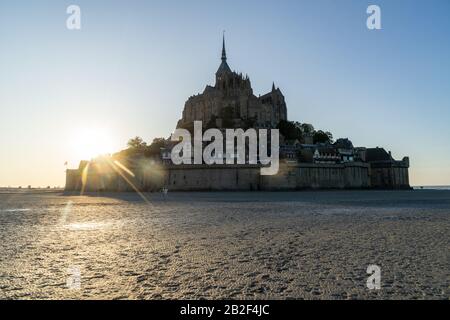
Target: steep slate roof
column 223, row 68
column 377, row 154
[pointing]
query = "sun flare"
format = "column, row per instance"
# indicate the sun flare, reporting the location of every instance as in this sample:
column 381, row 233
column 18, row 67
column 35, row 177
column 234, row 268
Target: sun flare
column 88, row 143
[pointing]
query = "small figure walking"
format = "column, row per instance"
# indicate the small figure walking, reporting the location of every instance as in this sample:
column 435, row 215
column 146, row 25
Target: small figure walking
column 165, row 191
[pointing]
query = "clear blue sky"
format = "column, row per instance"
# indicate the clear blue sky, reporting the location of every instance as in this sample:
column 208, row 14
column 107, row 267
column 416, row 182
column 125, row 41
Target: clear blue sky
column 133, row 64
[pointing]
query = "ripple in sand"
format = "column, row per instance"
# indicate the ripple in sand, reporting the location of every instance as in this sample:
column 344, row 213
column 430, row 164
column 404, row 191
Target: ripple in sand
column 15, row 210
column 87, row 226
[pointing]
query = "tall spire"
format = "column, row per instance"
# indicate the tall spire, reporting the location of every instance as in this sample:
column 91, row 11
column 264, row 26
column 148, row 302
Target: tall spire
column 223, row 68
column 224, row 53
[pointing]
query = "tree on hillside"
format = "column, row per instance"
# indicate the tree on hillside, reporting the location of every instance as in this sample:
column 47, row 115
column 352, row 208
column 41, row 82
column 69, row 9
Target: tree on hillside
column 155, row 148
column 323, row 137
column 290, row 130
column 136, row 143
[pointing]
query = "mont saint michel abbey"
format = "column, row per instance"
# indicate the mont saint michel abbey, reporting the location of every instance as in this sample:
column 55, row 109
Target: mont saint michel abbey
column 305, row 163
column 231, row 103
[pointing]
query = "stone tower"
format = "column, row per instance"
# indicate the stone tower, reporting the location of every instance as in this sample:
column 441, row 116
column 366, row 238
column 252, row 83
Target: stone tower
column 230, row 103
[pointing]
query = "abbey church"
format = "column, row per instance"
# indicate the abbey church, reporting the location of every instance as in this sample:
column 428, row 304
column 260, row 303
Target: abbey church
column 230, row 103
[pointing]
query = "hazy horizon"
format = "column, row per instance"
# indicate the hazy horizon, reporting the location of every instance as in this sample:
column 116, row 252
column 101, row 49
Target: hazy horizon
column 132, row 66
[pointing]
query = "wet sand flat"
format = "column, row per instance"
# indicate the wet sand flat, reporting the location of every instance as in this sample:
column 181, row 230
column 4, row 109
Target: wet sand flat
column 281, row 245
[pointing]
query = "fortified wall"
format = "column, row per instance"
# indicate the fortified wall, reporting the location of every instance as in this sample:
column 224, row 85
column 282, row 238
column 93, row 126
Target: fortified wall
column 225, row 178
column 289, row 177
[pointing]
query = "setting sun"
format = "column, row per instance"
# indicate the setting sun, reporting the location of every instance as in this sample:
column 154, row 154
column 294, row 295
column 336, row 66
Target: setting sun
column 88, row 143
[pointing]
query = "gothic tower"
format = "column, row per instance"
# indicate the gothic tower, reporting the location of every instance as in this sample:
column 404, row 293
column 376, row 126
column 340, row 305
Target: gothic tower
column 231, row 102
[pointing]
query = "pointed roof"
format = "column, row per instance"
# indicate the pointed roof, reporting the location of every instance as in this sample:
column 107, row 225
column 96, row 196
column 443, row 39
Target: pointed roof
column 224, row 52
column 223, row 68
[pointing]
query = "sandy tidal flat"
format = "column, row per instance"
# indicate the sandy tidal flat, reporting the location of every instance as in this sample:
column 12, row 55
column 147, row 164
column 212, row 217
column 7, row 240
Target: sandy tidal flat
column 305, row 245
